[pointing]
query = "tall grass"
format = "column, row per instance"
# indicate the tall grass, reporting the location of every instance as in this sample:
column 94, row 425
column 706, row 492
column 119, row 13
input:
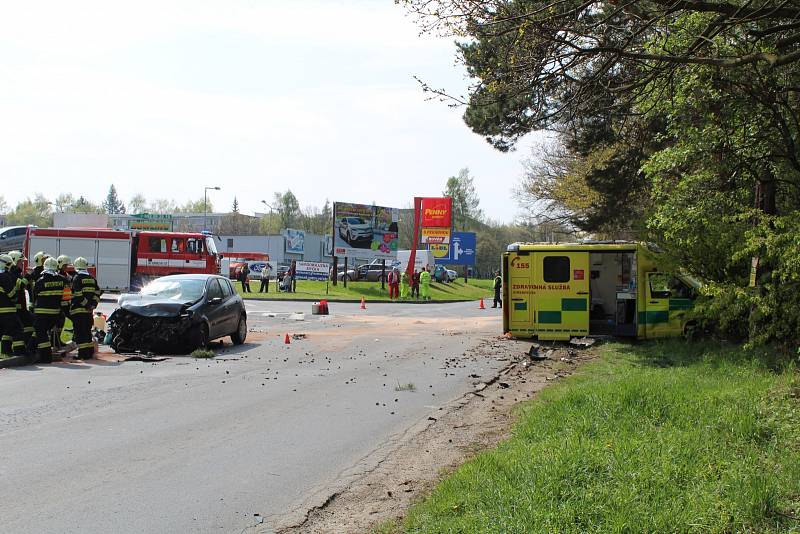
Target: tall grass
column 666, row 437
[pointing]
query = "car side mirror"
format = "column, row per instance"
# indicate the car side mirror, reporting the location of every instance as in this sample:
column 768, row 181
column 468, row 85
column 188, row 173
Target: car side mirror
column 215, row 301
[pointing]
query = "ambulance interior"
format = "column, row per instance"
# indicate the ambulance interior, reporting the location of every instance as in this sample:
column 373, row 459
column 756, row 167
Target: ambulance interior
column 612, row 293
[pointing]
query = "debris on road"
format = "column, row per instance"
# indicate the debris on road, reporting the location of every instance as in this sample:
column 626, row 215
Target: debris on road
column 299, row 336
column 582, row 342
column 147, row 358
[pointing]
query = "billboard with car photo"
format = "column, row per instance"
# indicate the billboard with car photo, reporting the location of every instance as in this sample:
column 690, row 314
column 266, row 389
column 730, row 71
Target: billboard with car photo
column 364, row 231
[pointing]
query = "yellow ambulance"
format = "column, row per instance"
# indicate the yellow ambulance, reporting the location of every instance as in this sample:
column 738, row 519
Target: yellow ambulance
column 559, row 291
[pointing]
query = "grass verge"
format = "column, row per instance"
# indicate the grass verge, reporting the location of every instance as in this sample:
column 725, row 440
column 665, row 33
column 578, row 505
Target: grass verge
column 309, row 289
column 662, row 437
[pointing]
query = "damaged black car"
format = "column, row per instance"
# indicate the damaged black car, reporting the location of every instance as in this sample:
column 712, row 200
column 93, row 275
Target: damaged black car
column 177, row 314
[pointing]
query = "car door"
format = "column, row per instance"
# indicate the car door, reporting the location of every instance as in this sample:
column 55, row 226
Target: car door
column 215, row 309
column 231, row 307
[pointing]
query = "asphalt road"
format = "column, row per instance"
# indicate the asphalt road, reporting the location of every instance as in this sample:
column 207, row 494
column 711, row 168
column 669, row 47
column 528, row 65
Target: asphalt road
column 191, row 445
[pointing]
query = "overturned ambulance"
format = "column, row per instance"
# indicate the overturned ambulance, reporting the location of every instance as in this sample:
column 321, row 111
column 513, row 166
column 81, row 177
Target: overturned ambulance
column 557, row 291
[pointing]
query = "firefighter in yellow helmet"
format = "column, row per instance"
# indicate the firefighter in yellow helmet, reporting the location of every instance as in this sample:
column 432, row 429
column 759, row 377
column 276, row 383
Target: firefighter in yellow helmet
column 23, row 283
column 85, row 297
column 12, row 342
column 47, row 293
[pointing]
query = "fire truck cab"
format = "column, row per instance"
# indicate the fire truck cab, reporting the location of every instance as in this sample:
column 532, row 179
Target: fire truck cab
column 557, row 291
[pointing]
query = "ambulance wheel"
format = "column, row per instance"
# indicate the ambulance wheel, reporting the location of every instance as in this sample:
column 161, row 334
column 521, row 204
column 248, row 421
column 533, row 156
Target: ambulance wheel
column 240, row 335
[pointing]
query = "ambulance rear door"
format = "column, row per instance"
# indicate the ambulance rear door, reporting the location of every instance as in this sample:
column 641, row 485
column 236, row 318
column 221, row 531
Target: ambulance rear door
column 561, row 282
column 520, row 302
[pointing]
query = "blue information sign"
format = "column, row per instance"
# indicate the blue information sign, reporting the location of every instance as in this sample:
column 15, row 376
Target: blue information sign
column 461, row 250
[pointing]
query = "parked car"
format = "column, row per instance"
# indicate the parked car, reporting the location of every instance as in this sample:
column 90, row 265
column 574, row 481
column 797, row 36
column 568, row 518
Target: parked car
column 371, row 272
column 12, row 238
column 441, row 274
column 350, row 274
column 177, row 314
column 354, row 229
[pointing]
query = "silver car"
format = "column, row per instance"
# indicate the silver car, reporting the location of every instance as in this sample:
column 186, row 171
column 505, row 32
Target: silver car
column 353, row 229
column 12, row 238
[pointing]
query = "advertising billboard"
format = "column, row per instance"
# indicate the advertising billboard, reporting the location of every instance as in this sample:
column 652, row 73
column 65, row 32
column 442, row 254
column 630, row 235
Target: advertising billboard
column 364, row 231
column 460, row 251
column 311, row 270
column 436, row 212
column 435, row 236
column 295, row 241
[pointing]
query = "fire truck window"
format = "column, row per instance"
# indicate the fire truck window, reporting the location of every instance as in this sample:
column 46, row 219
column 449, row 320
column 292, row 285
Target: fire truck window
column 214, row 291
column 177, row 245
column 230, row 243
column 194, row 246
column 659, row 285
column 556, row 269
column 157, row 244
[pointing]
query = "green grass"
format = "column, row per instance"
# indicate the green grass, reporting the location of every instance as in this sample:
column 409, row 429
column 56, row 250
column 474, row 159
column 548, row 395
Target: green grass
column 307, row 289
column 666, row 437
column 202, row 353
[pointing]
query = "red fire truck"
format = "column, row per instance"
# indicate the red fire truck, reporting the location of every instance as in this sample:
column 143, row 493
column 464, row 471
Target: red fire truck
column 125, row 260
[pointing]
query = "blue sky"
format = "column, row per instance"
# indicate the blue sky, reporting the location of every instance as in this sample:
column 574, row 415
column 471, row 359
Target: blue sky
column 163, row 98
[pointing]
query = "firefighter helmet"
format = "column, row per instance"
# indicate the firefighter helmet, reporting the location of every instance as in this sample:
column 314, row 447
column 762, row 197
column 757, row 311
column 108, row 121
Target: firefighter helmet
column 16, row 256
column 5, row 260
column 63, row 261
column 80, row 263
column 51, row 264
column 39, row 257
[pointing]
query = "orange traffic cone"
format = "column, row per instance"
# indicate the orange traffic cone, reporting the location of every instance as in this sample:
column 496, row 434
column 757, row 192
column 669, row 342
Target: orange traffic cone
column 363, row 304
column 482, row 306
column 286, row 340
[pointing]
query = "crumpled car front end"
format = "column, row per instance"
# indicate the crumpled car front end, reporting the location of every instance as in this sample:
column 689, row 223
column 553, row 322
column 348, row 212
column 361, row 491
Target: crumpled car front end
column 160, row 328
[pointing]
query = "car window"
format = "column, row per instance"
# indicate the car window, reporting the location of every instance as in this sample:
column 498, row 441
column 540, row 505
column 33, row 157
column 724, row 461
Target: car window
column 177, row 245
column 226, row 288
column 214, row 291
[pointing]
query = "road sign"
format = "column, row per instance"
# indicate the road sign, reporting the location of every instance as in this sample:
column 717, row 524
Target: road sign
column 461, row 250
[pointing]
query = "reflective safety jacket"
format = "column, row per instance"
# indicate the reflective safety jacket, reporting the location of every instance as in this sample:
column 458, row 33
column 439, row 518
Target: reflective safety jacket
column 425, row 278
column 8, row 293
column 20, row 282
column 85, row 294
column 48, row 292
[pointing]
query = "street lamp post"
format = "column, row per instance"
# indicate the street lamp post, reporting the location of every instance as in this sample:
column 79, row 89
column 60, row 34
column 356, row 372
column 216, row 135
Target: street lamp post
column 205, row 205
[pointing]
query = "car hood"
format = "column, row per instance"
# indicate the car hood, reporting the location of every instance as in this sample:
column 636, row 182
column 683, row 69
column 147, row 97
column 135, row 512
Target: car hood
column 148, row 306
column 360, row 226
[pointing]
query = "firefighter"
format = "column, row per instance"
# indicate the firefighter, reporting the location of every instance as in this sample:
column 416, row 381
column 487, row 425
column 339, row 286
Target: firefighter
column 425, row 284
column 64, row 262
column 47, row 293
column 85, row 297
column 23, row 283
column 498, row 285
column 38, row 264
column 12, row 341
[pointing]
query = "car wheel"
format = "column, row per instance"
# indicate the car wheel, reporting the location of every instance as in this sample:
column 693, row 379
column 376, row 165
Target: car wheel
column 201, row 336
column 240, row 335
